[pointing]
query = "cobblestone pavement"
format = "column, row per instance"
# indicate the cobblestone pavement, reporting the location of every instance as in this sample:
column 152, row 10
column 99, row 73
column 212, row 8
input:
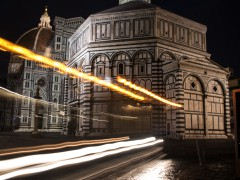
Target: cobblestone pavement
column 179, row 169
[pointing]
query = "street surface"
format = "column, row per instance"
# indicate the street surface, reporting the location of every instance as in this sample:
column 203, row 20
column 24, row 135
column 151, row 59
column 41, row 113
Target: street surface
column 146, row 164
column 171, row 169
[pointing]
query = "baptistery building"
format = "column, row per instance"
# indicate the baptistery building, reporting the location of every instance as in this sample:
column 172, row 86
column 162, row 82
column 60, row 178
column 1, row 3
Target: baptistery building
column 155, row 49
column 158, row 50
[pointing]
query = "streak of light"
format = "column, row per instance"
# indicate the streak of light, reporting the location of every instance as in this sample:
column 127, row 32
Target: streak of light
column 19, row 150
column 8, row 92
column 118, row 116
column 2, row 49
column 101, row 120
column 11, row 93
column 145, row 91
column 11, row 47
column 93, row 119
column 7, row 165
column 81, row 159
column 137, row 108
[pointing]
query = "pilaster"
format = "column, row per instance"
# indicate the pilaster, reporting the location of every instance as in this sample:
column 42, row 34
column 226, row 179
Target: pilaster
column 180, row 118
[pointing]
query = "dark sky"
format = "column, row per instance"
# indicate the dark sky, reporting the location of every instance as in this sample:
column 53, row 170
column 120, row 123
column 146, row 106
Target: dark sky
column 221, row 17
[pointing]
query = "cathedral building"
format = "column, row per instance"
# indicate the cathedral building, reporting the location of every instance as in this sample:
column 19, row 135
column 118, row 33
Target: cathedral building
column 152, row 47
column 24, row 77
column 158, row 50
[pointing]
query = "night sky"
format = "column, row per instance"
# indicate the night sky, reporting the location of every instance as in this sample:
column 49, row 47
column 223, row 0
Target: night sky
column 221, row 17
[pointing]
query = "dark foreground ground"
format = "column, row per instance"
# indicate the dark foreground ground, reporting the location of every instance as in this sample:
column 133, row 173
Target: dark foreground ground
column 185, row 160
column 171, row 169
column 200, row 160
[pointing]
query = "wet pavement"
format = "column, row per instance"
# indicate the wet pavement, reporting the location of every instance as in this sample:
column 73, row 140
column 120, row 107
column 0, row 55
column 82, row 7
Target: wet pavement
column 178, row 169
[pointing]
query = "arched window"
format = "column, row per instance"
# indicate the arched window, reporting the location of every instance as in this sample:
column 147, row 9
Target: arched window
column 99, row 64
column 120, row 69
column 215, row 108
column 121, row 63
column 142, row 63
column 194, row 106
column 101, row 70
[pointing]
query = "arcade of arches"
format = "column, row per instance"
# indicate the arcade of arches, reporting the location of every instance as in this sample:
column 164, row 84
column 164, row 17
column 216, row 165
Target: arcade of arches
column 204, row 107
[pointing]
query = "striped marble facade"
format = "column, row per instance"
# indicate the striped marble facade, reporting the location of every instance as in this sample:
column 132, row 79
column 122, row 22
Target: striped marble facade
column 160, row 51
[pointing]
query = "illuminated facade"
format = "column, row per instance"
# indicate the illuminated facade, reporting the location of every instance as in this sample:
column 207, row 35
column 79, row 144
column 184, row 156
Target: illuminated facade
column 24, row 76
column 158, row 50
column 153, row 48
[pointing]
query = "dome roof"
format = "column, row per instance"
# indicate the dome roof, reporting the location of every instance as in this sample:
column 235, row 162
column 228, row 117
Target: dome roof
column 130, row 6
column 37, row 39
column 40, row 38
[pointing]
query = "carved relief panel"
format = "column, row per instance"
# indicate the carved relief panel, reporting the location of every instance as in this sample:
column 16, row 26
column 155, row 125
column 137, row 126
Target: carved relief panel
column 103, row 31
column 122, row 29
column 182, row 35
column 196, row 39
column 143, row 27
column 165, row 29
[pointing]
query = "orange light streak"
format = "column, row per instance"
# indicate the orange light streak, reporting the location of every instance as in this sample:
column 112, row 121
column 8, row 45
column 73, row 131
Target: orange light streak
column 145, row 91
column 14, row 151
column 2, row 49
column 11, row 47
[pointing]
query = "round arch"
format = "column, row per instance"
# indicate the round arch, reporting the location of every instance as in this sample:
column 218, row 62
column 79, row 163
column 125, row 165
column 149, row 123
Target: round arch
column 142, row 51
column 120, row 53
column 96, row 56
column 219, row 82
column 194, row 108
column 198, row 78
column 216, row 107
column 142, row 63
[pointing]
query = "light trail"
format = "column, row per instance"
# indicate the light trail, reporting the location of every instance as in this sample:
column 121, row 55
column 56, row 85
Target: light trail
column 8, row 93
column 29, row 55
column 2, row 49
column 145, row 91
column 7, row 165
column 90, row 157
column 16, row 95
column 11, row 93
column 31, row 149
column 117, row 116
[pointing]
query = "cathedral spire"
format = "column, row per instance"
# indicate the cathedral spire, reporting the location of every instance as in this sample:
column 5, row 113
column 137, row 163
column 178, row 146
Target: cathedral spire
column 126, row 1
column 45, row 20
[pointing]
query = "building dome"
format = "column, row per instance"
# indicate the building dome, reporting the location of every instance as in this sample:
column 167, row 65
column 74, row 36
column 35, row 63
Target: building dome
column 37, row 39
column 40, row 38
